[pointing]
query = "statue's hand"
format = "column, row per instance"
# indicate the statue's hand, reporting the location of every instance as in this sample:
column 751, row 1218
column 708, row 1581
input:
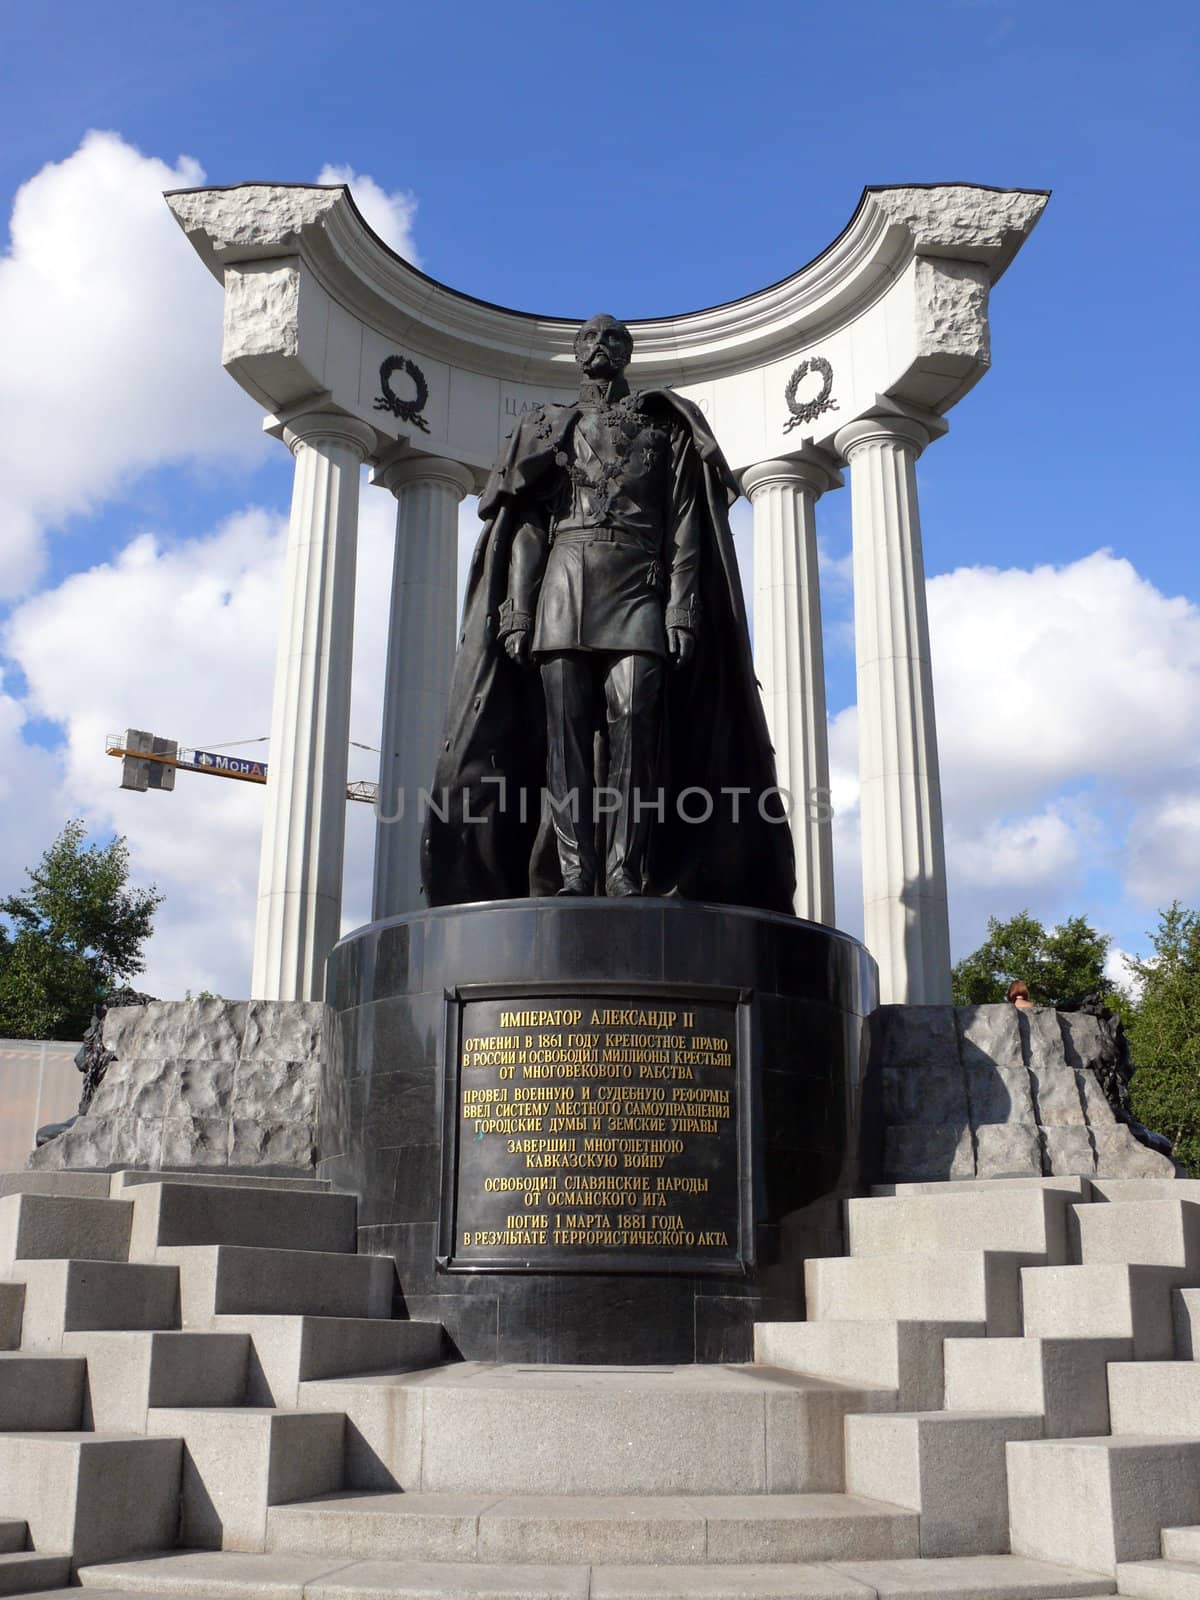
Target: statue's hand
column 681, row 644
column 516, row 644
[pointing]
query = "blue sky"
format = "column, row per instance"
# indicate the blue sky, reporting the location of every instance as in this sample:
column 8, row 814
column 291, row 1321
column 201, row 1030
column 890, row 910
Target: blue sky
column 645, row 159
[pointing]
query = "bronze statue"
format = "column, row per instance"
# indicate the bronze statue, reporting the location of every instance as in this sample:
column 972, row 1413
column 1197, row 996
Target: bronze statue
column 605, row 732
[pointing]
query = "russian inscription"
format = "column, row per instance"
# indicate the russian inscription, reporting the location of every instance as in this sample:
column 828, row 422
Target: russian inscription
column 596, row 1132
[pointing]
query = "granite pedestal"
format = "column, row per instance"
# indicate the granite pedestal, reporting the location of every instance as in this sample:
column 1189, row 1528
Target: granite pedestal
column 596, row 1130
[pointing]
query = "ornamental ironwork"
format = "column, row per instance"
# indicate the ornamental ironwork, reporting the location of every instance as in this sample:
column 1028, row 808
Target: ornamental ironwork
column 407, row 410
column 809, row 410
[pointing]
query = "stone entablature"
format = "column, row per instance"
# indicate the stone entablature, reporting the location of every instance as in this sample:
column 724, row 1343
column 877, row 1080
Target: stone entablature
column 316, row 303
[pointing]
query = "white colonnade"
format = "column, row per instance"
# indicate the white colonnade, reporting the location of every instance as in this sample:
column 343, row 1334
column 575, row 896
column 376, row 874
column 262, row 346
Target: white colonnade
column 851, row 361
column 420, row 656
column 790, row 662
column 300, row 868
column 905, row 922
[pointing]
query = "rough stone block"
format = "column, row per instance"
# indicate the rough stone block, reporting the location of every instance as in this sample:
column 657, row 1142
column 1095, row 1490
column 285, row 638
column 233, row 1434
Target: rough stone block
column 1069, row 1150
column 195, row 1030
column 273, row 1145
column 922, row 1151
column 1059, row 1099
column 1120, row 1155
column 283, row 1030
column 997, row 1079
column 1008, row 1149
column 194, row 1142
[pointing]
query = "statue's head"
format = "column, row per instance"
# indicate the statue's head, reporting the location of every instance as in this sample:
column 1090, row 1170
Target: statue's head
column 603, row 347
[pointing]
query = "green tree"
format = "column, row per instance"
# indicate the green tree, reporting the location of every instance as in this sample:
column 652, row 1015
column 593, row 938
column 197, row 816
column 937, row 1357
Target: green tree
column 1062, row 967
column 76, row 931
column 1164, row 1033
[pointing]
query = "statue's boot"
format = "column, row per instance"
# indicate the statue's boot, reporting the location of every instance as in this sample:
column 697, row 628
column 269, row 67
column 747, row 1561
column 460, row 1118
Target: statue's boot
column 633, row 697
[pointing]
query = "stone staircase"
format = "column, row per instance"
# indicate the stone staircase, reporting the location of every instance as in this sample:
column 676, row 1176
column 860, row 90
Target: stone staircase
column 204, row 1394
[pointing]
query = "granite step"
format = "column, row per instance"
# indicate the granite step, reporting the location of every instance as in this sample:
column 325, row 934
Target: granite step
column 289, row 1350
column 907, row 1356
column 129, row 1371
column 520, row 1529
column 1102, row 1501
column 949, row 1286
column 948, row 1465
column 14, row 1535
column 41, row 1227
column 477, row 1428
column 1064, row 1381
column 1181, row 1544
column 12, row 1307
column 251, row 1280
column 1034, row 1221
column 32, row 1571
column 40, row 1392
column 1164, row 1579
column 1105, row 1300
column 100, row 1496
column 62, row 1297
column 221, row 1575
column 173, row 1214
column 240, row 1460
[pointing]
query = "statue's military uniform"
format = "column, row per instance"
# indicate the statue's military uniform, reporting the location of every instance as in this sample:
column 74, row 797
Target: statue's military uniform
column 607, row 558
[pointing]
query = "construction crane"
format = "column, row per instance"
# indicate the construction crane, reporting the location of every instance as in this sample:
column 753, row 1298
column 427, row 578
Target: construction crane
column 149, row 762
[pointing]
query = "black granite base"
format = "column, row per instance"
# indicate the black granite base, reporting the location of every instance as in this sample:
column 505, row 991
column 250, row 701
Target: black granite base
column 750, row 1097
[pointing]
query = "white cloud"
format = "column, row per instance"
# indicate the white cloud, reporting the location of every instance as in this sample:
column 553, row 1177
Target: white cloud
column 1059, row 675
column 112, row 340
column 1164, row 849
column 390, row 215
column 187, row 650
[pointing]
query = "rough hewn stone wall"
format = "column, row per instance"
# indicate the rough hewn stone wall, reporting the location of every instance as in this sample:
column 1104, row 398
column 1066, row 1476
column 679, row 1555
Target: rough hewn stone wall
column 991, row 1091
column 202, row 1083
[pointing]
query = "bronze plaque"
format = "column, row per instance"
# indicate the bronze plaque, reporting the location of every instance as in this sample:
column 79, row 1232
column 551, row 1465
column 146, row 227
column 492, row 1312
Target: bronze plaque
column 593, row 1134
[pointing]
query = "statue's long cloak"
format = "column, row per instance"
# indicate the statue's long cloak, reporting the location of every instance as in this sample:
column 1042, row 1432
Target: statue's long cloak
column 492, row 764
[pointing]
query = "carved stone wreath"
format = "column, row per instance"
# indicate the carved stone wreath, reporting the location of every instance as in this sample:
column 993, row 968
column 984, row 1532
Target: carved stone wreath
column 407, row 410
column 809, row 410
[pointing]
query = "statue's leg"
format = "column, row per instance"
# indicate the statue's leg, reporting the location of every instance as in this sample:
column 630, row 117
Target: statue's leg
column 633, row 689
column 569, row 686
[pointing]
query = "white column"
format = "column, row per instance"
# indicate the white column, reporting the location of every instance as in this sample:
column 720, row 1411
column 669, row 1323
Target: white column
column 300, row 872
column 790, row 662
column 420, row 655
column 903, row 853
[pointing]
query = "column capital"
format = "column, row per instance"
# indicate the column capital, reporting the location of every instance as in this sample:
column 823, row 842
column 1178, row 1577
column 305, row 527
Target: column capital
column 396, row 472
column 904, row 428
column 329, row 427
column 811, row 473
